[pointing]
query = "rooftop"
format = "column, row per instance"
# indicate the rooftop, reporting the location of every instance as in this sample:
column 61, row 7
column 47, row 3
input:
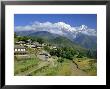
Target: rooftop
column 21, row 52
column 18, row 46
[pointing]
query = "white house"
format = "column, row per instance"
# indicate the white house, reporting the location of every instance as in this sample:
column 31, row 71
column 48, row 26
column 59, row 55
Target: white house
column 19, row 50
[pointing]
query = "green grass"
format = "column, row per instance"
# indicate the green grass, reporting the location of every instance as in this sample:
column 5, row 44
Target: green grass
column 24, row 64
column 61, row 69
column 32, row 66
column 65, row 70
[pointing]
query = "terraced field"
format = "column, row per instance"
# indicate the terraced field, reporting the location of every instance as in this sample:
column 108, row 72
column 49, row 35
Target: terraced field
column 36, row 67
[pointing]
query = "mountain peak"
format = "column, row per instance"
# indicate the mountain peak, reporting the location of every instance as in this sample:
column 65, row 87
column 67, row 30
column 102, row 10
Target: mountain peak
column 60, row 28
column 83, row 27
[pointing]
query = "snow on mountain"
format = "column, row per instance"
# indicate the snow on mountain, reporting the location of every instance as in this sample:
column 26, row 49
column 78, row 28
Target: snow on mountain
column 85, row 30
column 60, row 28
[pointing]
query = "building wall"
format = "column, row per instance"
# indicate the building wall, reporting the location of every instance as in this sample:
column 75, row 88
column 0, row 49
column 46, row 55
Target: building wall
column 18, row 49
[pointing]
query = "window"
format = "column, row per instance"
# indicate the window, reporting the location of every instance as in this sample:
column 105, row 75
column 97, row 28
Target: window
column 15, row 49
column 18, row 49
column 22, row 49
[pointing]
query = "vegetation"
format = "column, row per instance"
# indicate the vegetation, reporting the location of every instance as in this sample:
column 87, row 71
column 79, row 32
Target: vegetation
column 87, row 65
column 23, row 64
column 67, row 59
column 40, row 40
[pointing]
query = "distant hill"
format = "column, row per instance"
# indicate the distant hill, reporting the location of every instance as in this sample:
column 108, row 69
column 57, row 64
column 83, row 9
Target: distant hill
column 24, row 33
column 43, row 34
column 62, row 41
column 86, row 41
column 54, row 39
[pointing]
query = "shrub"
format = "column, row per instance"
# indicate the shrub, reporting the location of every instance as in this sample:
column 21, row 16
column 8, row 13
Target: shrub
column 60, row 60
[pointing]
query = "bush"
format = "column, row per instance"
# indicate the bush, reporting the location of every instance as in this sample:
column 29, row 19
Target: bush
column 60, row 60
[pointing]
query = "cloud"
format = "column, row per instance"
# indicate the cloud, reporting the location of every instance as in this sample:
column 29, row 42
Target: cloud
column 60, row 28
column 23, row 28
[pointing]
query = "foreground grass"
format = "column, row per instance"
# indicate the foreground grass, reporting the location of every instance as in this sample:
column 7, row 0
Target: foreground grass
column 60, row 69
column 24, row 64
column 35, row 67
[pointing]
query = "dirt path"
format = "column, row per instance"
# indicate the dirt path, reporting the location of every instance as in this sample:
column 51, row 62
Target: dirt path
column 76, row 71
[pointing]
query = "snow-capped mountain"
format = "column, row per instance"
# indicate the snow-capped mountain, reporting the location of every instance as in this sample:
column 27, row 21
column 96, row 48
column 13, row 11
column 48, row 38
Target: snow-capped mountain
column 59, row 28
column 82, row 35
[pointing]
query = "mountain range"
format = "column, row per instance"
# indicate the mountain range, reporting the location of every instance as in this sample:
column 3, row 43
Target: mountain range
column 82, row 35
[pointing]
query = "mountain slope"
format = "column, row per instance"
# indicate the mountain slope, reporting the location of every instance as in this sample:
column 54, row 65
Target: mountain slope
column 86, row 41
column 65, row 42
column 23, row 33
column 44, row 34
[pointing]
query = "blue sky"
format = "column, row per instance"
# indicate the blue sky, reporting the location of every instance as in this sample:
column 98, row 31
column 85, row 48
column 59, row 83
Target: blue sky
column 72, row 19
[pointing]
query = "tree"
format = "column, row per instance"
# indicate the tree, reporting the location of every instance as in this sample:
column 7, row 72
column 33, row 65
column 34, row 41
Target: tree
column 40, row 40
column 80, row 55
column 47, row 48
column 92, row 53
column 60, row 60
column 15, row 35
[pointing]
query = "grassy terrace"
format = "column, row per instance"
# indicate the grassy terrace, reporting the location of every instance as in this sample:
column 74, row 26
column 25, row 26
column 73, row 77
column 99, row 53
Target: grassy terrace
column 22, row 65
column 87, row 65
column 35, row 67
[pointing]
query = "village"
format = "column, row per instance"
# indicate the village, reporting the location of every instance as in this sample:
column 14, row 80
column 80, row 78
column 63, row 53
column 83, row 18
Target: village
column 33, row 54
column 21, row 49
